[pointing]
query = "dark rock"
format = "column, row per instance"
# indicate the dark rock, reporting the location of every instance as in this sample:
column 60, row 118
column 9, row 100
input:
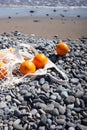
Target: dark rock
column 85, row 99
column 43, row 120
column 9, row 17
column 81, row 127
column 55, row 112
column 32, row 11
column 84, row 121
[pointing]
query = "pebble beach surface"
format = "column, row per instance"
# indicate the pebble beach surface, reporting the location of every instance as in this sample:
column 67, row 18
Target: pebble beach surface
column 40, row 103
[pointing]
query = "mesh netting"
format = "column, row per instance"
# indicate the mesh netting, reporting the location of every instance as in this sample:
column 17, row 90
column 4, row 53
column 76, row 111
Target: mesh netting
column 10, row 60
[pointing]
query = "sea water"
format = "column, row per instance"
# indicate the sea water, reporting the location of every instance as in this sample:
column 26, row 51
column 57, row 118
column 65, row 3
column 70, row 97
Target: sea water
column 42, row 11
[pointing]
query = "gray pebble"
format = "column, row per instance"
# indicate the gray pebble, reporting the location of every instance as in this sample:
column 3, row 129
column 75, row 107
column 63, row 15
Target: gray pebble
column 70, row 99
column 1, row 112
column 60, row 121
column 42, row 81
column 55, row 112
column 50, row 107
column 2, row 105
column 75, row 80
column 17, row 125
column 43, row 119
column 64, row 94
column 71, row 128
column 62, row 109
column 17, row 101
column 41, row 128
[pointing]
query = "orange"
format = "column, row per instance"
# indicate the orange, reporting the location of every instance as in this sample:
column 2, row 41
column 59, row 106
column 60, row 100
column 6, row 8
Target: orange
column 40, row 60
column 27, row 67
column 3, row 70
column 62, row 49
column 12, row 50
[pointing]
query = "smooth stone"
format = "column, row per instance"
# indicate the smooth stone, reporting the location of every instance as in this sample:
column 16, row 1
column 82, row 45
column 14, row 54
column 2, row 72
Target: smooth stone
column 83, row 62
column 17, row 101
column 55, row 112
column 41, row 105
column 27, row 95
column 71, row 128
column 84, row 121
column 17, row 113
column 50, row 107
column 62, row 109
column 2, row 105
column 75, row 80
column 45, row 87
column 70, row 106
column 81, row 127
column 41, row 128
column 25, row 126
column 6, row 111
column 85, row 99
column 64, row 94
column 60, row 121
column 70, row 99
column 5, row 127
column 10, row 128
column 79, row 94
column 53, row 97
column 23, row 91
column 52, row 127
column 49, row 121
column 43, row 119
column 59, row 127
column 70, row 124
column 8, row 98
column 56, row 104
column 60, row 61
column 82, row 103
column 1, row 112
column 77, row 102
column 33, row 111
column 17, row 125
column 42, row 81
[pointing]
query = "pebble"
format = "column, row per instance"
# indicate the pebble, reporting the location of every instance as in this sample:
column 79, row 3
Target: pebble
column 16, row 125
column 8, row 98
column 50, row 107
column 70, row 99
column 62, row 109
column 71, row 128
column 55, row 112
column 42, row 81
column 75, row 80
column 43, row 119
column 2, row 105
column 64, row 94
column 79, row 94
column 60, row 121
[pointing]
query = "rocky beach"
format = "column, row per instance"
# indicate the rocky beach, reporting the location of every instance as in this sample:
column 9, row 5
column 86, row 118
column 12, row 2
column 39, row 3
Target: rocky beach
column 41, row 103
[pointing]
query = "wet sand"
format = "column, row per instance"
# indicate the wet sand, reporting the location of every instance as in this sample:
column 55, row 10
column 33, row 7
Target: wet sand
column 46, row 27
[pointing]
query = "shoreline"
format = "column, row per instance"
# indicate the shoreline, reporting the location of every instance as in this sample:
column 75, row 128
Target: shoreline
column 48, row 28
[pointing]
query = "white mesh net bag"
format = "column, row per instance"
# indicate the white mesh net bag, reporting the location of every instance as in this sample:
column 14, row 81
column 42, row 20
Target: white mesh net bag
column 10, row 60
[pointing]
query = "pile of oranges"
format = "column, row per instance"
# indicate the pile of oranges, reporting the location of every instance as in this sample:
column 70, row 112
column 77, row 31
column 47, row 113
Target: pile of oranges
column 39, row 61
